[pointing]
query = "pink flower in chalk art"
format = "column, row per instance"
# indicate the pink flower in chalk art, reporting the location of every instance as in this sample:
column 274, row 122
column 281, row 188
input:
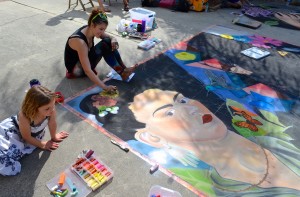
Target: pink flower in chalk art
column 103, row 101
column 260, row 41
column 105, row 105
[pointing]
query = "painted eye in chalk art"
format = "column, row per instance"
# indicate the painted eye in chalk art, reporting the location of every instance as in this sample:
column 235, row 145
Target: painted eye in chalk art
column 250, row 122
column 183, row 100
column 170, row 112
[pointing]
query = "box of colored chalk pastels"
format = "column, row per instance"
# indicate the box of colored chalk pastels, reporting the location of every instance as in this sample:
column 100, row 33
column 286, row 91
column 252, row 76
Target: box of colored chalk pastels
column 92, row 170
column 86, row 174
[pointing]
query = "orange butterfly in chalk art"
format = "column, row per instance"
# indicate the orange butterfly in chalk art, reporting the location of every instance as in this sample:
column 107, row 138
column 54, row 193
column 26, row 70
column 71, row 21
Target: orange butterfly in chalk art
column 249, row 123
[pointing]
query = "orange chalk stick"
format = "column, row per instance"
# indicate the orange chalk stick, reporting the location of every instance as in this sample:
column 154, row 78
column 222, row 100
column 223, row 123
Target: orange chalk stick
column 62, row 179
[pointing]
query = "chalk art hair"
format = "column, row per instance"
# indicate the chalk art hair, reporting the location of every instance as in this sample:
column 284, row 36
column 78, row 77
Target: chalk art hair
column 122, row 125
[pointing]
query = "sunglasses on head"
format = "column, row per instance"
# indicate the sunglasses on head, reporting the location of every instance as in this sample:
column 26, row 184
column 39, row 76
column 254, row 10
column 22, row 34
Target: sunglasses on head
column 101, row 15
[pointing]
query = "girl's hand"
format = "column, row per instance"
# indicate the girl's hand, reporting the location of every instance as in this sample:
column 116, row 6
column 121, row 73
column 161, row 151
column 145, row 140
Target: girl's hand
column 114, row 44
column 50, row 145
column 60, row 136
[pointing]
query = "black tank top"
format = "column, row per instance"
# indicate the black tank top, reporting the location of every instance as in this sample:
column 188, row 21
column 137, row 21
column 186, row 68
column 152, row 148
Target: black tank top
column 71, row 55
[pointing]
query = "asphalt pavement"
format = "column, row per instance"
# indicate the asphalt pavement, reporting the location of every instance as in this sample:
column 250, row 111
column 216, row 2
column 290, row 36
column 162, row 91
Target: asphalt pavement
column 32, row 39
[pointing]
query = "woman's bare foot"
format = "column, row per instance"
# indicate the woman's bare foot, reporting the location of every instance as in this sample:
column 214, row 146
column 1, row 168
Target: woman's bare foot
column 128, row 71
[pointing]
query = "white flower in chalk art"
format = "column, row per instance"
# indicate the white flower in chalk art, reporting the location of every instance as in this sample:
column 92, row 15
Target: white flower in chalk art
column 104, row 110
column 103, row 113
column 114, row 110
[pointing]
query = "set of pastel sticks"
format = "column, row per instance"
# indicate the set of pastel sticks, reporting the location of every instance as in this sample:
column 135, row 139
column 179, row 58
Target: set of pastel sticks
column 91, row 170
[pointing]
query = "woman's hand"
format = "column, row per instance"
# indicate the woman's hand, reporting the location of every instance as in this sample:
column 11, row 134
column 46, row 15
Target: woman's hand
column 110, row 88
column 114, row 44
column 60, row 136
column 49, row 145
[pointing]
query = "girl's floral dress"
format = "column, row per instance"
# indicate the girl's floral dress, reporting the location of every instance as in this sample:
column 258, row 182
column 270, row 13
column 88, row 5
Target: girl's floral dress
column 13, row 147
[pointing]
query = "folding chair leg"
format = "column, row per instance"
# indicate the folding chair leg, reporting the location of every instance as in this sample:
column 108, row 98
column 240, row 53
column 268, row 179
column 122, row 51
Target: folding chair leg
column 91, row 3
column 70, row 3
column 82, row 5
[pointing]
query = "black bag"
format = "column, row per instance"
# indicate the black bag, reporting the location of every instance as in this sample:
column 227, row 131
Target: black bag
column 182, row 5
column 150, row 3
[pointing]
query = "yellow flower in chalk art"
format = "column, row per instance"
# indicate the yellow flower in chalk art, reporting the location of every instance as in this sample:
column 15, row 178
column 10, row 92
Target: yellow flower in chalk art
column 185, row 56
column 282, row 53
column 226, row 36
column 113, row 94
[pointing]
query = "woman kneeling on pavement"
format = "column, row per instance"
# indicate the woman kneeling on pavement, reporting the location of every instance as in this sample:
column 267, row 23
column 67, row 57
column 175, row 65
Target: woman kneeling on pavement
column 82, row 56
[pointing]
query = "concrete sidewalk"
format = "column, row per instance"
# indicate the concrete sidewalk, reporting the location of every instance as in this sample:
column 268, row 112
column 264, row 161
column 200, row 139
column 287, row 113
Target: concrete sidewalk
column 32, row 38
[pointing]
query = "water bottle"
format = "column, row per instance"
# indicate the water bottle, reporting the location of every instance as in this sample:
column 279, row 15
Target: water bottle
column 143, row 25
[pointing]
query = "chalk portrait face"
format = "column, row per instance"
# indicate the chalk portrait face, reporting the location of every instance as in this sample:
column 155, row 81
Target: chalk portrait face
column 172, row 118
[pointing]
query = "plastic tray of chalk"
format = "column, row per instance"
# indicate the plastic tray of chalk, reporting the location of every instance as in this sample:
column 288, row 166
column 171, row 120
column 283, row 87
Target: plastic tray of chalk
column 92, row 171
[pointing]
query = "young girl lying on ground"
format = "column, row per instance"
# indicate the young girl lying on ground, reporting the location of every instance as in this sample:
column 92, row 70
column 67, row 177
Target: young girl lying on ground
column 22, row 133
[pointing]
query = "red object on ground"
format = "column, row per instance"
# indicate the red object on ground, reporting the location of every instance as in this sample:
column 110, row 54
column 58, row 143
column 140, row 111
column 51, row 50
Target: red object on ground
column 59, row 97
column 166, row 3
